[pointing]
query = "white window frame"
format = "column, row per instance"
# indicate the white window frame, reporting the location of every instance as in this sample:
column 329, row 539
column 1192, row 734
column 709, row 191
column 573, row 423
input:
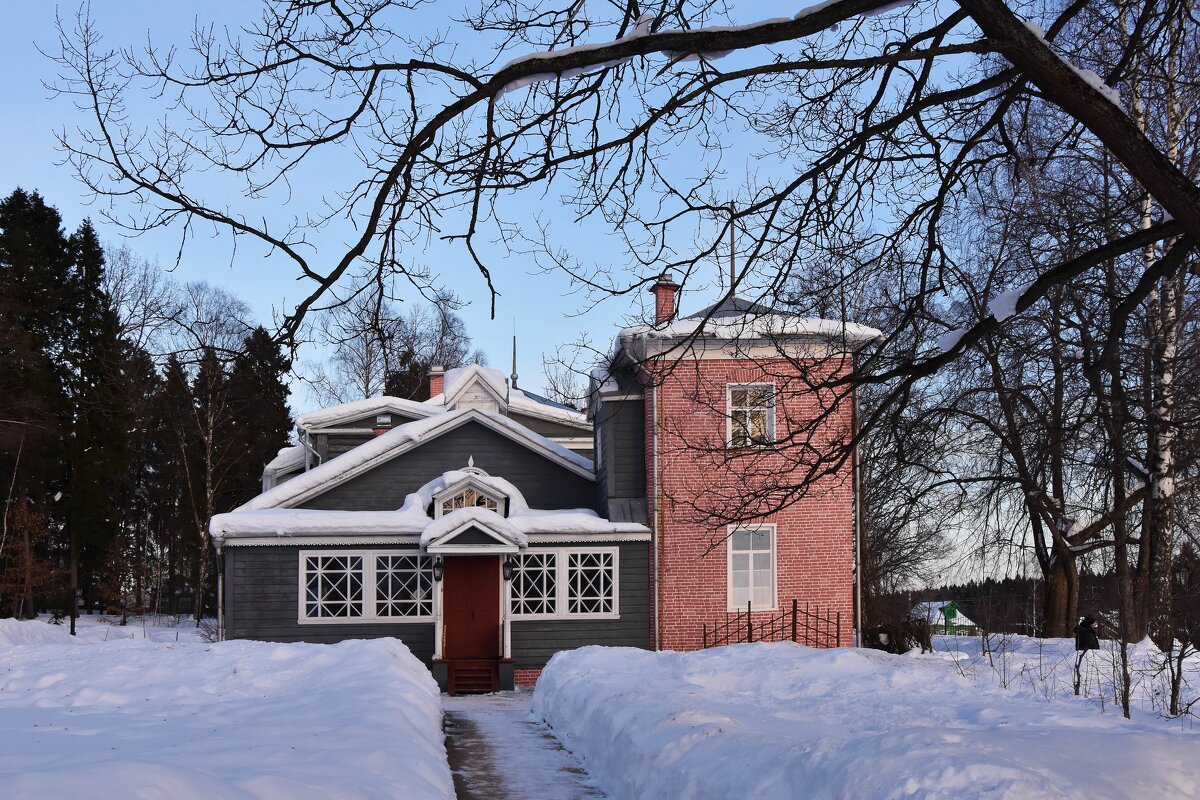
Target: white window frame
column 370, row 603
column 479, row 487
column 729, row 599
column 729, row 409
column 562, row 587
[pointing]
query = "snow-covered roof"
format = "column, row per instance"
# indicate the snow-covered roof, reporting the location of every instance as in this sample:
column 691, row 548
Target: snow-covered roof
column 414, row 520
column 934, row 612
column 406, row 437
column 459, row 380
column 736, row 318
column 289, row 458
column 356, row 409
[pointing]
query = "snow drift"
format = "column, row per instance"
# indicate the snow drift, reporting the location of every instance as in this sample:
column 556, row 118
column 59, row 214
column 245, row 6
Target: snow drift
column 784, row 721
column 138, row 718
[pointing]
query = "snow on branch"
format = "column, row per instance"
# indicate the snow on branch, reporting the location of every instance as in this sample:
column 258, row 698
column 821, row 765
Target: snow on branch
column 713, row 41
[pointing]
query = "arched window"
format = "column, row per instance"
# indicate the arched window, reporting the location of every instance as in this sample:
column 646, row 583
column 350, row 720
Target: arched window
column 468, row 498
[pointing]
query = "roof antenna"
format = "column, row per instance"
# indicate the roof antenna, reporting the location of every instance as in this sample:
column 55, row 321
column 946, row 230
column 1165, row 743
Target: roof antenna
column 514, row 372
column 732, row 266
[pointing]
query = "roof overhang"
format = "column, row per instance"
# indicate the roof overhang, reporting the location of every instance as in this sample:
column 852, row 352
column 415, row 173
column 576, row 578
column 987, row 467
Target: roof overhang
column 495, row 540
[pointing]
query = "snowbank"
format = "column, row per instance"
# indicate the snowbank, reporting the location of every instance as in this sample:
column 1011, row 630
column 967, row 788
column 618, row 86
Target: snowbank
column 784, row 721
column 1045, row 668
column 135, row 718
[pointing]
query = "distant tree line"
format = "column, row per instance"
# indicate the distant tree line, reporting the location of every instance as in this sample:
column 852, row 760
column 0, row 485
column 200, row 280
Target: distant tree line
column 132, row 409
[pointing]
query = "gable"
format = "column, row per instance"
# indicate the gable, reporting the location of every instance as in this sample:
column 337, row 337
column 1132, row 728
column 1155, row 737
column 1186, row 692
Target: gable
column 544, row 483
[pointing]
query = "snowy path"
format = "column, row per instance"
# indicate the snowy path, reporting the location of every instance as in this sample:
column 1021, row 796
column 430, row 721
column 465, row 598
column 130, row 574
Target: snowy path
column 499, row 752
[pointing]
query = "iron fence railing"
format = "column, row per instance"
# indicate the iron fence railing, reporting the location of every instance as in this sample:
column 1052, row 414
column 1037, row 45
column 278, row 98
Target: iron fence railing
column 808, row 625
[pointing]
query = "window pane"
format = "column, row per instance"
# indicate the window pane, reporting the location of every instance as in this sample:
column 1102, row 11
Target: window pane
column 737, row 398
column 590, row 583
column 762, row 561
column 533, row 589
column 403, row 586
column 743, row 540
column 333, row 586
column 756, row 425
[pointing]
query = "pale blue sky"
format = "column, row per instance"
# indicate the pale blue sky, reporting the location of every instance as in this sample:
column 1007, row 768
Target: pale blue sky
column 542, row 305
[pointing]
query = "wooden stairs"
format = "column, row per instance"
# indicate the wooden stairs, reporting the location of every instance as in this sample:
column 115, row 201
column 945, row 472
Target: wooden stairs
column 473, row 676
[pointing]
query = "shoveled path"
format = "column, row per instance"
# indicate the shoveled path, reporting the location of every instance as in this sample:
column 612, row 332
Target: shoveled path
column 498, row 751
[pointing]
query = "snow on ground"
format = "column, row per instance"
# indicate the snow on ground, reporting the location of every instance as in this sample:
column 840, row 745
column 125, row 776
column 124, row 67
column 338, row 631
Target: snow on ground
column 499, row 750
column 1045, row 668
column 147, row 718
column 784, row 721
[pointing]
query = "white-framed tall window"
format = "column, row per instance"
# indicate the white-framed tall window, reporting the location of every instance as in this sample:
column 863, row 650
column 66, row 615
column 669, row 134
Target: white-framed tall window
column 365, row 586
column 752, row 567
column 751, row 418
column 565, row 582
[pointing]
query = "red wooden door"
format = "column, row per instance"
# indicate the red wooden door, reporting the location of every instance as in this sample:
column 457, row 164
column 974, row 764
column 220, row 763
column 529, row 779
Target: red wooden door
column 471, row 606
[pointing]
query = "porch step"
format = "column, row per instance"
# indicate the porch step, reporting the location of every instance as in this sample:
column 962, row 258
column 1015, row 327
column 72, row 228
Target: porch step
column 473, row 677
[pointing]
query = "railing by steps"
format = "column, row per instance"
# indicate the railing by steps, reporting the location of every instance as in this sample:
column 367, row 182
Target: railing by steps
column 807, row 625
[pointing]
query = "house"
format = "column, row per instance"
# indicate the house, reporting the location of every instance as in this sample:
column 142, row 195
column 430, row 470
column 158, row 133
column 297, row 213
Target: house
column 489, row 528
column 946, row 618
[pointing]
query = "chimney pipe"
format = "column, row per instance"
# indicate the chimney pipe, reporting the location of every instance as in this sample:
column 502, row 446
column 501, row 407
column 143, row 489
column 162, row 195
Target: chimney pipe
column 664, row 291
column 437, row 380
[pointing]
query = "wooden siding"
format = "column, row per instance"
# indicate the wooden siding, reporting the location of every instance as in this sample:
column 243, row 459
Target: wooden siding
column 535, row 641
column 262, row 585
column 334, row 444
column 544, row 483
column 369, row 420
column 549, row 428
column 261, row 602
column 621, row 469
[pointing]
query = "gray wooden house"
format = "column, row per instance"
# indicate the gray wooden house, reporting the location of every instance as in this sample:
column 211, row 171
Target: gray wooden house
column 466, row 525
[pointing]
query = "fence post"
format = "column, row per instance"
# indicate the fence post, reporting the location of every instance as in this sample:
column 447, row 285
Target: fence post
column 706, row 635
column 749, row 623
column 838, row 643
column 794, row 604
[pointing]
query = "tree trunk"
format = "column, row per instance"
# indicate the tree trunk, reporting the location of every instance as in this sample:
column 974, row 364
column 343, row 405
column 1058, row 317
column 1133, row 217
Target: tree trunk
column 1061, row 603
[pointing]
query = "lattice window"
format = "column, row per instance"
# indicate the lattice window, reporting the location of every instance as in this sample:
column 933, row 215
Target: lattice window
column 403, row 586
column 590, row 583
column 534, row 583
column 751, row 415
column 333, row 586
column 469, row 498
column 752, row 567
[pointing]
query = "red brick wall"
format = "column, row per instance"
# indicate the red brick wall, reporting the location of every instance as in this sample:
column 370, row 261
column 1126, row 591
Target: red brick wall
column 814, row 535
column 664, row 302
column 526, row 677
column 437, row 383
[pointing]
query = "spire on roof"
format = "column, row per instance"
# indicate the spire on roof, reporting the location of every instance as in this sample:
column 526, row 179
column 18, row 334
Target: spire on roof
column 514, row 372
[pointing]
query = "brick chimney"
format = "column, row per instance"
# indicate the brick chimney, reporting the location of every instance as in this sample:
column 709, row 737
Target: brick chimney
column 437, row 380
column 664, row 298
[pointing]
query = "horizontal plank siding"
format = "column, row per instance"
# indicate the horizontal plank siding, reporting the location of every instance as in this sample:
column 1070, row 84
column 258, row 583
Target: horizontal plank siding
column 548, row 428
column 535, row 641
column 261, row 602
column 262, row 585
column 628, row 459
column 544, row 483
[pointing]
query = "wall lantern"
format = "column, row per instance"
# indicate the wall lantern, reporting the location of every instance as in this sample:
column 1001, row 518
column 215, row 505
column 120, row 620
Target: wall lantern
column 438, row 568
column 1183, row 574
column 509, row 567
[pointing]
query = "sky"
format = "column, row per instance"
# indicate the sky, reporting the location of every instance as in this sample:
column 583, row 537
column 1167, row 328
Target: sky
column 543, row 309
